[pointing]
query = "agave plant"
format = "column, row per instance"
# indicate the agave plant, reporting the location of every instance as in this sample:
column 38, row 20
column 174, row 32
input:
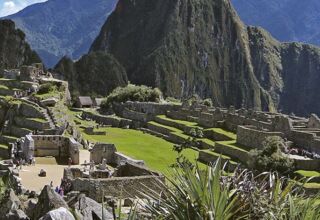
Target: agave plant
column 194, row 194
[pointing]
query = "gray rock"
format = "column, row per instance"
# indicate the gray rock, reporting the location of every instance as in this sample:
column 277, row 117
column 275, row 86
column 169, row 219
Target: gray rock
column 47, row 201
column 30, row 206
column 58, row 214
column 89, row 209
column 9, row 203
column 16, row 215
column 49, row 102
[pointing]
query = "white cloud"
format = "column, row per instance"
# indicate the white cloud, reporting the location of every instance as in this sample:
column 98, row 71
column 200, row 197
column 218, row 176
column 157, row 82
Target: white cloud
column 8, row 7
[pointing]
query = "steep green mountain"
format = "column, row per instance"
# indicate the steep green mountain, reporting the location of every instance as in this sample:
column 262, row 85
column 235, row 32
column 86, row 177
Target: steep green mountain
column 94, row 74
column 14, row 50
column 192, row 46
column 58, row 28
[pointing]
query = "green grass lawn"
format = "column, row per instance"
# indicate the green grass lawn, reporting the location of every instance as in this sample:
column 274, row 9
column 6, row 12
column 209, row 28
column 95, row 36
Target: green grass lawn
column 157, row 153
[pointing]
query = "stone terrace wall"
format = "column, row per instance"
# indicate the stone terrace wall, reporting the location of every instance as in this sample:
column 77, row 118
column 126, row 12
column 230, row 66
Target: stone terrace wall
column 251, row 137
column 307, row 140
column 131, row 169
column 107, row 120
column 120, row 158
column 311, row 165
column 124, row 187
column 151, row 107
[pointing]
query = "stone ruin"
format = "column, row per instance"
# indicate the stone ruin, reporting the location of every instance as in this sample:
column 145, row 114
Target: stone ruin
column 44, row 146
column 252, row 127
column 112, row 173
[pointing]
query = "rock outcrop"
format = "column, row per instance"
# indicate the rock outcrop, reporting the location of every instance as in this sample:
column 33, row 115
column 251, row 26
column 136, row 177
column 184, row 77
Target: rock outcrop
column 48, row 200
column 14, row 50
column 188, row 46
column 87, row 208
column 60, row 213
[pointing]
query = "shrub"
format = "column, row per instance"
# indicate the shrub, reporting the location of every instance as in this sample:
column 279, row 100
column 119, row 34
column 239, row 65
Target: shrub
column 208, row 102
column 271, row 157
column 132, row 93
column 47, row 88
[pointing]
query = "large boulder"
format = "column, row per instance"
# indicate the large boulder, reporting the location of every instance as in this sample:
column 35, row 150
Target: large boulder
column 48, row 200
column 58, row 214
column 88, row 209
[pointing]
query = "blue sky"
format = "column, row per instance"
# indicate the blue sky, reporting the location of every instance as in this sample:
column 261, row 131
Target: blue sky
column 8, row 7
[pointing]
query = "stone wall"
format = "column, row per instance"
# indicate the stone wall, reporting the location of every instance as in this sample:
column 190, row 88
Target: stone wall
column 137, row 116
column 51, row 145
column 208, row 158
column 311, row 165
column 102, row 151
column 151, row 107
column 107, row 120
column 249, row 136
column 131, row 169
column 238, row 154
column 109, row 152
column 120, row 158
column 120, row 187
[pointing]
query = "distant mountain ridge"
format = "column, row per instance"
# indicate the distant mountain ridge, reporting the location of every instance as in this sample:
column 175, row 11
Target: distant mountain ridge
column 286, row 20
column 58, row 28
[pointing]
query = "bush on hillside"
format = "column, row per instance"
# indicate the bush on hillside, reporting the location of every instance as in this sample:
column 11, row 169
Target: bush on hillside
column 271, row 157
column 47, row 88
column 132, row 93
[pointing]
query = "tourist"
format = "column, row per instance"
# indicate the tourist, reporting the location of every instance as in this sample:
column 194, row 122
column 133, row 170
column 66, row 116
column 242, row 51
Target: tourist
column 51, row 184
column 33, row 161
column 57, row 190
column 61, row 193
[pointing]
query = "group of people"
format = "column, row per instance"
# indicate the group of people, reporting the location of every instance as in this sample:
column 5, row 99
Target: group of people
column 22, row 162
column 64, row 187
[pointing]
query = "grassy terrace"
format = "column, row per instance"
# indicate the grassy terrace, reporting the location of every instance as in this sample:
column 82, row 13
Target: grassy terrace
column 229, row 134
column 156, row 152
column 234, row 145
column 220, row 155
column 185, row 123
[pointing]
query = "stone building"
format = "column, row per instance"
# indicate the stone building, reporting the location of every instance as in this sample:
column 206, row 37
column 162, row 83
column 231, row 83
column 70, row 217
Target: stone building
column 49, row 145
column 101, row 151
column 84, row 102
column 11, row 74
